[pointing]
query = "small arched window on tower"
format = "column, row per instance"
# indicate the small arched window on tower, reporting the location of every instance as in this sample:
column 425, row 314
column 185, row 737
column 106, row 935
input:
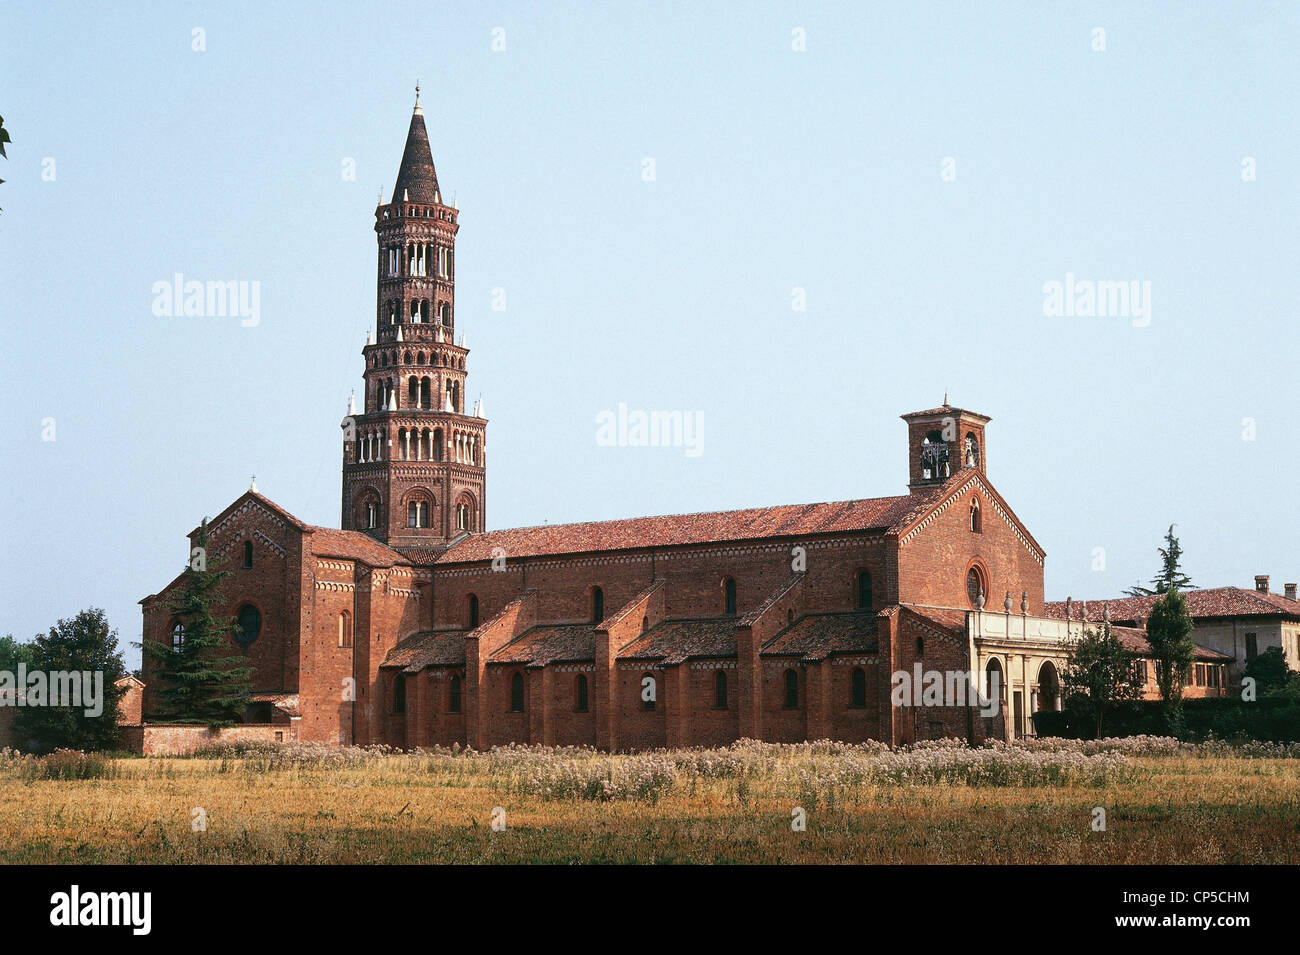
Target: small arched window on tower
column 248, row 554
column 178, row 636
column 864, row 590
column 517, row 692
column 976, row 525
column 934, row 456
column 597, row 605
column 729, row 589
column 345, row 629
column 971, row 451
column 472, row 610
column 444, row 314
column 372, row 515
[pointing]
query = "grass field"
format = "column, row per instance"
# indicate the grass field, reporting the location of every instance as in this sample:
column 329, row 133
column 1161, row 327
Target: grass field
column 1032, row 803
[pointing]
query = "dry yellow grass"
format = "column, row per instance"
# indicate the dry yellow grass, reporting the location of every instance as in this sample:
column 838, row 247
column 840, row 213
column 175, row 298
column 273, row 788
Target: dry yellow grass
column 403, row 809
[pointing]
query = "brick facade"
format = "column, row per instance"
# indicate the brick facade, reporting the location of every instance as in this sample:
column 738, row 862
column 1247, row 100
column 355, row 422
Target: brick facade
column 414, row 628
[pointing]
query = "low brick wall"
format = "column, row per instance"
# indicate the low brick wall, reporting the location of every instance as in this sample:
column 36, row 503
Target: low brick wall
column 154, row 739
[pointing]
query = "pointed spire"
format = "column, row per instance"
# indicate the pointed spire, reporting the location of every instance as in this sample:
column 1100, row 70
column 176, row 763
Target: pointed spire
column 417, row 181
column 392, row 401
column 370, row 337
column 945, row 399
column 352, row 403
column 447, row 406
column 399, row 333
column 418, row 110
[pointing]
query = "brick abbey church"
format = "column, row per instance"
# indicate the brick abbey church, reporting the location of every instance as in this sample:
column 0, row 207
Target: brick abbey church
column 413, row 625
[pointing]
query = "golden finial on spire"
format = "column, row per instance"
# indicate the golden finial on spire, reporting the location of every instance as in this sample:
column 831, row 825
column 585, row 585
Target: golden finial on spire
column 417, row 97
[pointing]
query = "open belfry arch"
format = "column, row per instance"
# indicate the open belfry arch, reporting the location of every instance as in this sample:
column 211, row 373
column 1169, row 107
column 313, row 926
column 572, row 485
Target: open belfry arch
column 413, row 624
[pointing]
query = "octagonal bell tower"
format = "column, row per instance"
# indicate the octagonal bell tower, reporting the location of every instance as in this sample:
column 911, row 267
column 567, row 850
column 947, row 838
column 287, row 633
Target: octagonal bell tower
column 414, row 456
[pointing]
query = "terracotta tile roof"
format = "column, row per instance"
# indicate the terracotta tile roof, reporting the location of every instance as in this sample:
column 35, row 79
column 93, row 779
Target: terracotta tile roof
column 558, row 643
column 793, row 520
column 817, row 636
column 266, row 502
column 353, row 545
column 429, row 648
column 1210, row 602
column 945, row 618
column 287, row 702
column 421, row 555
column 676, row 641
column 944, row 409
column 1135, row 641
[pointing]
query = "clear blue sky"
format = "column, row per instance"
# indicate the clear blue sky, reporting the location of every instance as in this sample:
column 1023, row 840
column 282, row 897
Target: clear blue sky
column 776, row 169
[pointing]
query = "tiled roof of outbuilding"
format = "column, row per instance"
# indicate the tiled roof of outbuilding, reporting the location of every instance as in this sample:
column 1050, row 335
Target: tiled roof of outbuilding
column 429, row 648
column 676, row 641
column 558, row 643
column 1210, row 602
column 817, row 636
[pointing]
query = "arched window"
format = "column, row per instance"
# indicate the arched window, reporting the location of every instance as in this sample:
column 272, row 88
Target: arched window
column 472, row 602
column 250, row 624
column 864, row 590
column 580, row 693
column 934, row 456
column 649, row 691
column 248, row 554
column 720, row 690
column 345, row 629
column 791, row 689
column 516, row 692
column 178, row 636
column 729, row 587
column 995, row 686
column 975, row 524
column 975, row 586
column 645, row 624
column 971, row 451
column 399, row 693
column 859, row 693
column 453, row 694
column 597, row 605
column 920, row 648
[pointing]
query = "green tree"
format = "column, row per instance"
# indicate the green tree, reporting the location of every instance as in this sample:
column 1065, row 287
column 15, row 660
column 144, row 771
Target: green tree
column 197, row 681
column 1171, row 576
column 1269, row 670
column 14, row 652
column 1169, row 632
column 83, row 645
column 1101, row 672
